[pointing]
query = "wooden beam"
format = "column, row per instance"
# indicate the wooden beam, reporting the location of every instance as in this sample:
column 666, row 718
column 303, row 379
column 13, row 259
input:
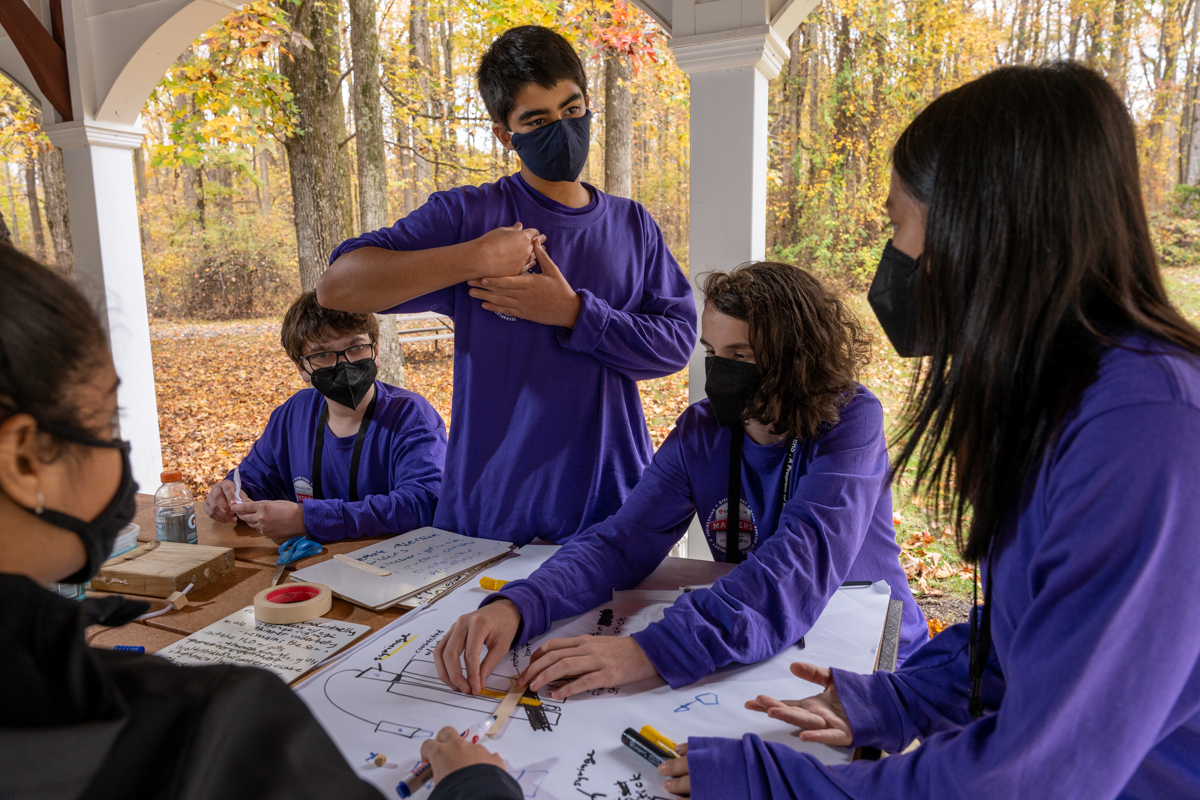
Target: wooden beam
column 43, row 55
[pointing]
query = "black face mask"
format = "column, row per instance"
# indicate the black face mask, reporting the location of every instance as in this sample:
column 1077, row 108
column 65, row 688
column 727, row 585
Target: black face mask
column 346, row 382
column 893, row 298
column 558, row 151
column 729, row 385
column 100, row 534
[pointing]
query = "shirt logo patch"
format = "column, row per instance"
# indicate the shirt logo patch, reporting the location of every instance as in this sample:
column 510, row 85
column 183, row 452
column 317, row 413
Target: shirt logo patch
column 505, row 316
column 716, row 530
column 304, row 489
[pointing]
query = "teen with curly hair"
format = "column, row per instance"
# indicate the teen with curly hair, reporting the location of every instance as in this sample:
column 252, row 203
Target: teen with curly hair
column 803, row 441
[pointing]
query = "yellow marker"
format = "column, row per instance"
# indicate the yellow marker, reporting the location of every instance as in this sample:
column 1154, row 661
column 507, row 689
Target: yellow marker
column 657, row 737
column 491, row 584
column 525, row 701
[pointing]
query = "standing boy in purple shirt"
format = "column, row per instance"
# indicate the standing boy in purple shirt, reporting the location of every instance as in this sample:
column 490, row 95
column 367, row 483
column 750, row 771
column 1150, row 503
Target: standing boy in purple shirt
column 549, row 436
column 347, row 458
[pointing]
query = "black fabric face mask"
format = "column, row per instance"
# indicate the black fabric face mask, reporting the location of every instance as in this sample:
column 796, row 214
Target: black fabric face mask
column 893, row 298
column 100, row 534
column 729, row 385
column 558, row 151
column 346, row 382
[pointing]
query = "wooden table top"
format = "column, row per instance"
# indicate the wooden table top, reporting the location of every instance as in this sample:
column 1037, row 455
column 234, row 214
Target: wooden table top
column 254, row 566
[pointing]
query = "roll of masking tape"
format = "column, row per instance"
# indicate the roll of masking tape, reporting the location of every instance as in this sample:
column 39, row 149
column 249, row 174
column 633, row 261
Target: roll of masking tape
column 292, row 602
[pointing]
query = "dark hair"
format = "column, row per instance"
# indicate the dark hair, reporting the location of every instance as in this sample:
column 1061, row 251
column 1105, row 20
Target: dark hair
column 520, row 56
column 1037, row 256
column 807, row 344
column 50, row 342
column 307, row 321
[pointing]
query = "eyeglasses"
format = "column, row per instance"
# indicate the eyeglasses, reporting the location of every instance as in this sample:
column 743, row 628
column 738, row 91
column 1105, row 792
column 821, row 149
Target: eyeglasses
column 329, row 358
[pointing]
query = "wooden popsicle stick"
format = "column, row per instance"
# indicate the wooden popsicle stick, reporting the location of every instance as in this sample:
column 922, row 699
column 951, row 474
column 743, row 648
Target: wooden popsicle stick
column 505, row 708
column 371, row 568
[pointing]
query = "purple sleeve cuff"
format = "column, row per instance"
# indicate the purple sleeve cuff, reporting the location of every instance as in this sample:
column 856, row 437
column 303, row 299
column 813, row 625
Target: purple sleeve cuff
column 717, row 768
column 323, row 520
column 680, row 662
column 871, row 707
column 534, row 620
column 347, row 246
column 594, row 315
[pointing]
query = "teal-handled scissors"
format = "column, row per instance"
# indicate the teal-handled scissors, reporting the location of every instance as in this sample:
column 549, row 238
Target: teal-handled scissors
column 294, row 549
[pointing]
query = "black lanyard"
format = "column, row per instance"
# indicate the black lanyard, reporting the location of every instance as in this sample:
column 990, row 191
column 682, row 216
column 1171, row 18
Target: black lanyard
column 979, row 642
column 356, row 456
column 733, row 513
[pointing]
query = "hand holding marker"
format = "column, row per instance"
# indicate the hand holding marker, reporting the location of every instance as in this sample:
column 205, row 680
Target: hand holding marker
column 423, row 773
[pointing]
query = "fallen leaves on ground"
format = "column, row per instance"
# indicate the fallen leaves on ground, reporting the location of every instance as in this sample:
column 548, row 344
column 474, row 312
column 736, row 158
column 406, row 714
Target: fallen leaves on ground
column 218, row 382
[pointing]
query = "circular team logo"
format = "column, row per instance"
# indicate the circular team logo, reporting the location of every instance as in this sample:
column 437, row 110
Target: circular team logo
column 716, row 530
column 304, row 489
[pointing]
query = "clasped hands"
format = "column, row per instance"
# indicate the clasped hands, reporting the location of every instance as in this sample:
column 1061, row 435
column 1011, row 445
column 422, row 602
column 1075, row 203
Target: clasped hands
column 544, row 297
column 587, row 663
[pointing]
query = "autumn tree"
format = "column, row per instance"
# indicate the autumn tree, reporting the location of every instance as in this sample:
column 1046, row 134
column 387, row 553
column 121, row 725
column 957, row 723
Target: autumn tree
column 316, row 158
column 372, row 159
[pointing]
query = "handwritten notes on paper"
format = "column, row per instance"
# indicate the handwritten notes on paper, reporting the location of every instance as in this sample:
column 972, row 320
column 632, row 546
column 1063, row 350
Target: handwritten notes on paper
column 416, row 560
column 287, row 650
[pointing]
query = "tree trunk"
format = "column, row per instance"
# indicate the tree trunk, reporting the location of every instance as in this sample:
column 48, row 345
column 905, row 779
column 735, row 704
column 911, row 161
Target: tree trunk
column 422, row 59
column 372, row 161
column 143, row 193
column 12, row 208
column 317, row 167
column 264, row 182
column 1189, row 129
column 58, row 218
column 35, row 214
column 5, row 236
column 618, row 126
column 1116, row 57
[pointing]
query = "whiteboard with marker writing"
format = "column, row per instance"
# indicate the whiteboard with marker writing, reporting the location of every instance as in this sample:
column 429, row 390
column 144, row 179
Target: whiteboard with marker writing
column 385, row 696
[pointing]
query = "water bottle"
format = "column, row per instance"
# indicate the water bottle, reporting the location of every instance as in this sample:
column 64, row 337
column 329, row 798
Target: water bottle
column 174, row 510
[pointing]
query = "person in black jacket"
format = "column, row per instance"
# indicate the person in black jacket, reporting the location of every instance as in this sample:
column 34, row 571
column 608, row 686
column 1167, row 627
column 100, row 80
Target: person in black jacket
column 77, row 722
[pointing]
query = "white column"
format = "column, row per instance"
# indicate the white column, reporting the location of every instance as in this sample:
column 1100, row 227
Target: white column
column 728, row 219
column 108, row 264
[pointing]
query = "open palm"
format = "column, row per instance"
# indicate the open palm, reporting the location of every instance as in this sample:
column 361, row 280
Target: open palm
column 821, row 718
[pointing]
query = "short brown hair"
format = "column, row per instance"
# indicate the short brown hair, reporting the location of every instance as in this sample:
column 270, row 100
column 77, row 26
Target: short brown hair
column 807, row 344
column 308, row 321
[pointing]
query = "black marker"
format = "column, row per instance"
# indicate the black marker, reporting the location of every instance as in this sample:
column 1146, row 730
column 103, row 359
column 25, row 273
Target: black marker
column 645, row 748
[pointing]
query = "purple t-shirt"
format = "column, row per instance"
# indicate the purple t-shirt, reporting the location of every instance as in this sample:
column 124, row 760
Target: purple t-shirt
column 835, row 527
column 547, row 434
column 399, row 470
column 1094, row 680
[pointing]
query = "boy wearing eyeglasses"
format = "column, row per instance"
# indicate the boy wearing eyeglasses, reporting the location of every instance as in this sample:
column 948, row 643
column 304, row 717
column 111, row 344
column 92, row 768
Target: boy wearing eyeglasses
column 349, row 457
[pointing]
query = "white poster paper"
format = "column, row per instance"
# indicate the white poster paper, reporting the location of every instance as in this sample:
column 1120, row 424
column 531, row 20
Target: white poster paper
column 386, row 698
column 287, row 650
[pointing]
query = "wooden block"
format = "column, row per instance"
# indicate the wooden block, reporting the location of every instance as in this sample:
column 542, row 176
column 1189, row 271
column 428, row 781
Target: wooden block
column 158, row 569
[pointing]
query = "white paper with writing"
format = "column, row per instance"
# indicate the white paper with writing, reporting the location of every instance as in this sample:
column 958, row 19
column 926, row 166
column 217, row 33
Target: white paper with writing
column 416, row 560
column 386, row 697
column 287, row 650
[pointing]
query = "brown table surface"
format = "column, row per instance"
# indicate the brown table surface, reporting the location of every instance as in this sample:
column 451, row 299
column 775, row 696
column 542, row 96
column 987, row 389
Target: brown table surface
column 254, row 566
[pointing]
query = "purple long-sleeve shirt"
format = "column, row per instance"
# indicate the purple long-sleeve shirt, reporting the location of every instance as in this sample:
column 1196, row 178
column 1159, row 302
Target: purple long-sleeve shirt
column 836, row 526
column 399, row 471
column 548, row 435
column 1095, row 675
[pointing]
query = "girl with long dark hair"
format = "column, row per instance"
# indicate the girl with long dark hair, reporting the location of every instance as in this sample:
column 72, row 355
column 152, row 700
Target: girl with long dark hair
column 1055, row 418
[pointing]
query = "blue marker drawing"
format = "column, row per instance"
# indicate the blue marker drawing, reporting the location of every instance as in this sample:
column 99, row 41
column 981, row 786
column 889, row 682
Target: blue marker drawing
column 530, row 780
column 706, row 699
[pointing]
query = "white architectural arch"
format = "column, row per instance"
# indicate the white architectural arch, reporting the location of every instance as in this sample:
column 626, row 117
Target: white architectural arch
column 116, row 53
